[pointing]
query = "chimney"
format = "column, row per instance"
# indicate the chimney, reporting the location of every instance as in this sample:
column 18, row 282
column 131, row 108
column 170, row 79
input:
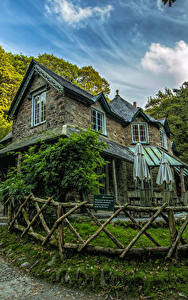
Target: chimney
column 117, row 93
column 134, row 103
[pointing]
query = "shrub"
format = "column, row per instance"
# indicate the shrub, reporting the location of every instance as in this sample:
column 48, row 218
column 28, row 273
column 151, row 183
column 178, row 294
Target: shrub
column 72, row 163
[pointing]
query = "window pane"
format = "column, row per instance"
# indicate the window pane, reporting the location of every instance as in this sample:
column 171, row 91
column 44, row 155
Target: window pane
column 43, row 107
column 135, row 133
column 142, row 133
column 97, row 119
column 37, row 109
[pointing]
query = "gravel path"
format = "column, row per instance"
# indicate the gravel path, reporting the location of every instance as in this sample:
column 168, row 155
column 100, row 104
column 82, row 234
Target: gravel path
column 14, row 284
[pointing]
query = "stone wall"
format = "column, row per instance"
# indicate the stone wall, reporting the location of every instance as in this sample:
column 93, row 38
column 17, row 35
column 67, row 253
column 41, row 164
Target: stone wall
column 62, row 109
column 55, row 116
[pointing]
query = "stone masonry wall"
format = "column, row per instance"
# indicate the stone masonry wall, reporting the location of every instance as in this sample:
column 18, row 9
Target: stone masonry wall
column 65, row 110
column 54, row 117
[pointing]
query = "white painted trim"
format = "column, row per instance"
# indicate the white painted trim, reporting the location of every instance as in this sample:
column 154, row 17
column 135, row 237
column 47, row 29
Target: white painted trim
column 33, row 109
column 146, row 132
column 103, row 119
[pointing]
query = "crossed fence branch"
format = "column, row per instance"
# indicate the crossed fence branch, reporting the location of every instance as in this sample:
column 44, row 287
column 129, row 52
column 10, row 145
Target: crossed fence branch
column 65, row 210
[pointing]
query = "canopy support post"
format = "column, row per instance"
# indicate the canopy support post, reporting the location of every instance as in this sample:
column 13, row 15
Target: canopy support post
column 182, row 185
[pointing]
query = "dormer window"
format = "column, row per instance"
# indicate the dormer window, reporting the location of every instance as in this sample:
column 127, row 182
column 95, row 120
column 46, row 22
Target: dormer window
column 139, row 133
column 39, row 109
column 163, row 139
column 98, row 121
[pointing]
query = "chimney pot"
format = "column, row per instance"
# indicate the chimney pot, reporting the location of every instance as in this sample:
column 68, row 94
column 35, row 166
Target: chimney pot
column 134, row 103
column 117, row 92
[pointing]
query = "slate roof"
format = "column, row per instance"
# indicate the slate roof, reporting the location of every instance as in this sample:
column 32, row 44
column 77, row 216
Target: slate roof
column 66, row 83
column 123, row 108
column 32, row 140
column 126, row 110
column 113, row 149
column 6, row 138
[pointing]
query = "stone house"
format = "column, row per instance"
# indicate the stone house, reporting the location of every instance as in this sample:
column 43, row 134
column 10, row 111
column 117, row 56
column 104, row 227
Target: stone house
column 47, row 106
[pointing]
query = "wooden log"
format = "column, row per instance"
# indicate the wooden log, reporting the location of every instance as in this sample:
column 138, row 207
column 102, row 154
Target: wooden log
column 182, row 185
column 115, row 181
column 74, row 231
column 9, row 215
column 174, row 245
column 26, row 217
column 143, row 230
column 130, row 207
column 36, row 235
column 46, row 228
column 60, row 233
column 172, row 226
column 62, row 218
column 166, row 219
column 101, row 228
column 113, row 238
column 107, row 178
column 19, row 211
column 35, row 217
column 133, row 252
column 52, row 202
column 140, row 227
column 7, row 201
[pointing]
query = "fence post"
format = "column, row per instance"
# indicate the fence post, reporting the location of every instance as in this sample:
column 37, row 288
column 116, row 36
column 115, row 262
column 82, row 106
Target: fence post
column 60, row 232
column 172, row 227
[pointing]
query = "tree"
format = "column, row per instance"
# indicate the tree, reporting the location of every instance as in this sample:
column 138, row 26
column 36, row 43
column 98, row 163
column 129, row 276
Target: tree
column 86, row 77
column 174, row 106
column 9, row 82
column 14, row 66
column 169, row 2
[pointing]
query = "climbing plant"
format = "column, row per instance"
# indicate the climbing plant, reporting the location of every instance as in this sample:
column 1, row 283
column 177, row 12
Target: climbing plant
column 54, row 169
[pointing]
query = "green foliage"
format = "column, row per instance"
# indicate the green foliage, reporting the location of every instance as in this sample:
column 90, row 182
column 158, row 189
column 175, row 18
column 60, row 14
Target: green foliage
column 169, row 2
column 53, row 170
column 9, row 82
column 85, row 77
column 174, row 105
column 14, row 66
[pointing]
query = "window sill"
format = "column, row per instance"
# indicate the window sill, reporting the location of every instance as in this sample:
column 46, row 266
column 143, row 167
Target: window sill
column 33, row 126
column 143, row 143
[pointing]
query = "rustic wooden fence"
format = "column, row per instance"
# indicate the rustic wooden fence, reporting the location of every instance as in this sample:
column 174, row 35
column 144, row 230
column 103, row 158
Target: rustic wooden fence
column 32, row 210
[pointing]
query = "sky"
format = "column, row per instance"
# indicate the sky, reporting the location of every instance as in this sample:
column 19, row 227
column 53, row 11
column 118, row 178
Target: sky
column 139, row 46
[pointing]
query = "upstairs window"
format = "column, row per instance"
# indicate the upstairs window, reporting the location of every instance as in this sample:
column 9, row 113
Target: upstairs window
column 163, row 139
column 139, row 133
column 98, row 121
column 39, row 109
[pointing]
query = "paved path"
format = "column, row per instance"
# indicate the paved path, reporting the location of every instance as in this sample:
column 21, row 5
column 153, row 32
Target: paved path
column 19, row 286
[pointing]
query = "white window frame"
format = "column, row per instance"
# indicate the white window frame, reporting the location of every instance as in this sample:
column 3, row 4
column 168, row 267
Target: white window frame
column 33, row 121
column 146, row 133
column 163, row 139
column 101, row 113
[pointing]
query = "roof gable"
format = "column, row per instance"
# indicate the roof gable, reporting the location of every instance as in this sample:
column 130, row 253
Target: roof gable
column 140, row 113
column 53, row 79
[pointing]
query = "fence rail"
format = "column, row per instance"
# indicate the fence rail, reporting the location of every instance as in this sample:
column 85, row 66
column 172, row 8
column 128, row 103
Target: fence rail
column 31, row 212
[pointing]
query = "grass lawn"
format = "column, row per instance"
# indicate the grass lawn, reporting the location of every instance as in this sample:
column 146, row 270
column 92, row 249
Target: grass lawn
column 153, row 278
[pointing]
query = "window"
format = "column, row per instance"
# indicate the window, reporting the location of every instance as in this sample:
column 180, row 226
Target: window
column 39, row 109
column 98, row 121
column 139, row 133
column 163, row 139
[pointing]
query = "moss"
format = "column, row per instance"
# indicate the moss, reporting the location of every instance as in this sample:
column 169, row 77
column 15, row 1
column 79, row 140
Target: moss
column 154, row 278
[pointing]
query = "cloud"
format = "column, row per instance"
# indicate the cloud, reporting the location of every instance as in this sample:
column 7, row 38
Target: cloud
column 72, row 14
column 171, row 61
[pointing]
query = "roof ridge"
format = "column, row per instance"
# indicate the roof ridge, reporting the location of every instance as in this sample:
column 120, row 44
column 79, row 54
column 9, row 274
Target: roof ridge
column 62, row 78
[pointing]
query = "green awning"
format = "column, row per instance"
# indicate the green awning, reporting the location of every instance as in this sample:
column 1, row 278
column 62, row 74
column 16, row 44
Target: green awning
column 153, row 156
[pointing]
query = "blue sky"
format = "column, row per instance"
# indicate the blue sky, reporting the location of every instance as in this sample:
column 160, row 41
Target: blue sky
column 139, row 46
